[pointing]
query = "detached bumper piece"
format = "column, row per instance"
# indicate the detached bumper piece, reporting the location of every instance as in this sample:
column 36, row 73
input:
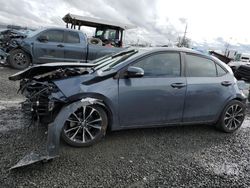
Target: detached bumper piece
column 31, row 159
column 54, row 133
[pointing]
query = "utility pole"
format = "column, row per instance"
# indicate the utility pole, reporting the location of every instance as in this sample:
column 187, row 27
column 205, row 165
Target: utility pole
column 184, row 36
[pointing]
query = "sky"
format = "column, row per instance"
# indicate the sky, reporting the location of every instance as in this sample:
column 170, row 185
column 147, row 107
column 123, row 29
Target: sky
column 210, row 23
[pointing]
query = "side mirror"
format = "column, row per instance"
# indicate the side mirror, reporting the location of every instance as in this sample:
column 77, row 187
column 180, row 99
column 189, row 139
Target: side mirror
column 43, row 38
column 134, row 72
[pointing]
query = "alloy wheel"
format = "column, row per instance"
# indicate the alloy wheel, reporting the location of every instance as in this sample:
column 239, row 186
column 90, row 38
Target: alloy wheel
column 234, row 117
column 83, row 125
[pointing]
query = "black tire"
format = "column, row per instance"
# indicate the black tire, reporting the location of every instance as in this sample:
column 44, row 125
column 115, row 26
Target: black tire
column 19, row 59
column 103, row 124
column 232, row 117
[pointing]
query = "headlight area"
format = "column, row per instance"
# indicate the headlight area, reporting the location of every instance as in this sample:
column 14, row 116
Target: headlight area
column 43, row 99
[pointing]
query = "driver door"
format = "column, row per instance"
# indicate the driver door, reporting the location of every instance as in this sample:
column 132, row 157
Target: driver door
column 51, row 50
column 157, row 97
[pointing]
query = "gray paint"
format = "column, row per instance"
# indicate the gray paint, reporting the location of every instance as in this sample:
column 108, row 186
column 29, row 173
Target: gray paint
column 147, row 102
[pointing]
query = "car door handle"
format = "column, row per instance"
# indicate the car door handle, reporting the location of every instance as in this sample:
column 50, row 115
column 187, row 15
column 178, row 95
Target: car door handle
column 226, row 83
column 60, row 46
column 178, row 85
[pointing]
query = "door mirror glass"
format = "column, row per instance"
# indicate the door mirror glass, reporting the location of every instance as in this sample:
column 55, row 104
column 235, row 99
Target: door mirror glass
column 134, row 72
column 43, row 38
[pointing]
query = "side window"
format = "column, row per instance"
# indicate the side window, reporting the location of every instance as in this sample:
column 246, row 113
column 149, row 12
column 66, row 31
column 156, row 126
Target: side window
column 200, row 67
column 163, row 64
column 220, row 71
column 54, row 35
column 72, row 37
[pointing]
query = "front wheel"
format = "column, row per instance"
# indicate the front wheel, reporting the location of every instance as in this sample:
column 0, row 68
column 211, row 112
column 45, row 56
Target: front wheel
column 85, row 126
column 19, row 59
column 232, row 117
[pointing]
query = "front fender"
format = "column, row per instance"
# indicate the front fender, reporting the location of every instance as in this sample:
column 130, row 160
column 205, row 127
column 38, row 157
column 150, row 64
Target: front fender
column 54, row 133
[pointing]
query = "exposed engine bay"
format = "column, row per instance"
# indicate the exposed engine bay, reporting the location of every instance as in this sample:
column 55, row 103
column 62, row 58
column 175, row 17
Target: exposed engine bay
column 8, row 39
column 47, row 104
column 43, row 98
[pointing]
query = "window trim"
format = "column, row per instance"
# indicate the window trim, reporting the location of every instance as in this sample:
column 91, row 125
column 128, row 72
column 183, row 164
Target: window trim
column 221, row 68
column 124, row 69
column 205, row 57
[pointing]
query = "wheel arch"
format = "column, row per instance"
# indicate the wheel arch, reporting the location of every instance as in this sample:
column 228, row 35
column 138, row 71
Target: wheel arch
column 237, row 98
column 26, row 51
column 107, row 104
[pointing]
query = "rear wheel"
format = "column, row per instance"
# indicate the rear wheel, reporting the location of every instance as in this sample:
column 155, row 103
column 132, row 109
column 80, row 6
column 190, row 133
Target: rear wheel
column 232, row 117
column 85, row 126
column 19, row 59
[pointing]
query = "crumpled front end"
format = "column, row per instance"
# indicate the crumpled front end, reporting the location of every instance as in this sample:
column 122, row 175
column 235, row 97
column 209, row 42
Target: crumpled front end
column 43, row 99
column 54, row 134
column 47, row 104
column 9, row 37
column 3, row 57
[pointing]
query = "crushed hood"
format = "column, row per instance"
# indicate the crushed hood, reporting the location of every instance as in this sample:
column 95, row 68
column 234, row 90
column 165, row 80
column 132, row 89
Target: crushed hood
column 45, row 68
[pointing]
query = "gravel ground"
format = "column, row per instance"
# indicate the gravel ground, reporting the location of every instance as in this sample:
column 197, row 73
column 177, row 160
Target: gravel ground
column 184, row 156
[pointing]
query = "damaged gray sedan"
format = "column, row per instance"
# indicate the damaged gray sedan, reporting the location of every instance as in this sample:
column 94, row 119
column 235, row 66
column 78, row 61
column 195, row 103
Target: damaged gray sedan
column 132, row 89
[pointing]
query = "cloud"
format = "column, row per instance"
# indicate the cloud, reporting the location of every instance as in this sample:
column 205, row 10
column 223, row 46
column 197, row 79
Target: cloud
column 42, row 13
column 158, row 22
column 142, row 13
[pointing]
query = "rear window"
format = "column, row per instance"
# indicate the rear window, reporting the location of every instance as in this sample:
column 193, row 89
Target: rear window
column 72, row 37
column 200, row 67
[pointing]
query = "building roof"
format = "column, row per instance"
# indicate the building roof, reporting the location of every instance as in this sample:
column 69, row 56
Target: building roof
column 94, row 22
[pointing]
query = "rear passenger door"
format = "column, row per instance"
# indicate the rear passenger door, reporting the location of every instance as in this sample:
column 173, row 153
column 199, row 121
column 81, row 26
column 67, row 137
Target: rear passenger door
column 75, row 47
column 205, row 89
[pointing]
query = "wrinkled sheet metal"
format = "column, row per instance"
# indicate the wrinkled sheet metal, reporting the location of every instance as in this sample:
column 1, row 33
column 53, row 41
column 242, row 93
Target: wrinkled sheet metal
column 3, row 57
column 9, row 37
column 54, row 133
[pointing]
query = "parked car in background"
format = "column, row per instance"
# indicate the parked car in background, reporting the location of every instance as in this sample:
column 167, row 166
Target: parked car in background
column 54, row 45
column 240, row 59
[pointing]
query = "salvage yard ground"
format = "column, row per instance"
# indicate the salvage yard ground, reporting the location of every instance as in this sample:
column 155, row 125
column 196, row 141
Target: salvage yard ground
column 184, row 156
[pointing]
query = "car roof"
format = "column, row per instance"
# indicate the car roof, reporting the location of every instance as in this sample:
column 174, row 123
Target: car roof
column 159, row 49
column 62, row 28
column 150, row 50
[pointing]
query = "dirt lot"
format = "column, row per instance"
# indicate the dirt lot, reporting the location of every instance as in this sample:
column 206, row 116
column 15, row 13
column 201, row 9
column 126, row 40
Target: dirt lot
column 186, row 156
